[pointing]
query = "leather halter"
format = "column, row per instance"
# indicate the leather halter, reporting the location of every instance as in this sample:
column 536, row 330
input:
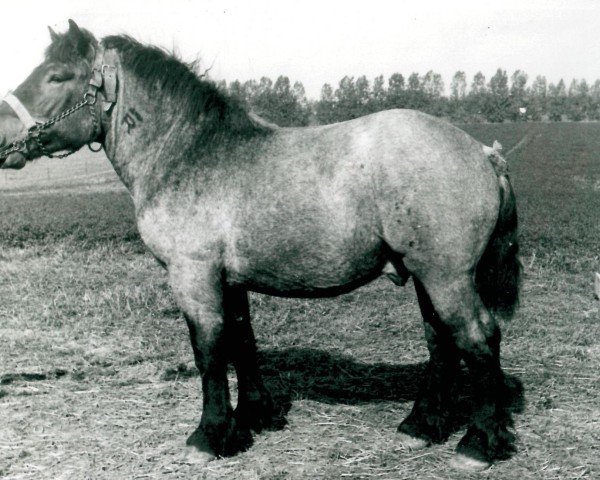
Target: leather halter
column 104, row 78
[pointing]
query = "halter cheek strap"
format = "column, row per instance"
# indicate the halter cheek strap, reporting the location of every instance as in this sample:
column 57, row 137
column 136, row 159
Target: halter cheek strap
column 20, row 110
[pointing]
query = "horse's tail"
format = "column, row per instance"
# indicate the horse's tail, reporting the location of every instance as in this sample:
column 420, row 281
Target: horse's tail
column 499, row 269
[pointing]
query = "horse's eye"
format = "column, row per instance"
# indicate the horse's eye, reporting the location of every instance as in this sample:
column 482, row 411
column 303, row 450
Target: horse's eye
column 60, row 77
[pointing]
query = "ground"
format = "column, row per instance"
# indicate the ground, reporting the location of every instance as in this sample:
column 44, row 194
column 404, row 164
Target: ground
column 97, row 378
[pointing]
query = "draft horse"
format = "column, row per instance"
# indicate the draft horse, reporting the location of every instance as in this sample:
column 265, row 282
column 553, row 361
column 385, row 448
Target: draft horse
column 230, row 204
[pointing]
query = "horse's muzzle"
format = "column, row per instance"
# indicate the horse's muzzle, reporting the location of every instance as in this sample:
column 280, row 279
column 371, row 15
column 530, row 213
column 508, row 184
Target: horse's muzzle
column 15, row 160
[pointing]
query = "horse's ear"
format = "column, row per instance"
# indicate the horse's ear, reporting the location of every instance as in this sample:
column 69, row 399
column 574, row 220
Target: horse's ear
column 79, row 40
column 74, row 30
column 53, row 34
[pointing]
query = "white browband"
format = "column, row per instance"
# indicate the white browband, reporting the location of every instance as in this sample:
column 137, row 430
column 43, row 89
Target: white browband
column 20, row 110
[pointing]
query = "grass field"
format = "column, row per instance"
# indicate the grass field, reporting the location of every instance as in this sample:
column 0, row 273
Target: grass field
column 97, row 378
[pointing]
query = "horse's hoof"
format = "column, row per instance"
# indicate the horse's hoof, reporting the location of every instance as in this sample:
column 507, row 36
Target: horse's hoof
column 460, row 461
column 198, row 450
column 412, row 443
column 193, row 456
column 255, row 415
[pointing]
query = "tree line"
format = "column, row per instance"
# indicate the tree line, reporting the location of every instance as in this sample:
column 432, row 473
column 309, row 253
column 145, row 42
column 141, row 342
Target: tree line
column 499, row 99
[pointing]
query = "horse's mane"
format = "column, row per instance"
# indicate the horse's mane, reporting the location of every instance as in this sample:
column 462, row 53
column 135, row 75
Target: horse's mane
column 195, row 98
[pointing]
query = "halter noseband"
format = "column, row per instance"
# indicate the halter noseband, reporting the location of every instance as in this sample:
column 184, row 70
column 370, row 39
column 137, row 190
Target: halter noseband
column 103, row 76
column 21, row 111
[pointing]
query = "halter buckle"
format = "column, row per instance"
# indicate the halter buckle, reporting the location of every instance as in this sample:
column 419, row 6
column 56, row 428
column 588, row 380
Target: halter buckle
column 90, row 94
column 96, row 80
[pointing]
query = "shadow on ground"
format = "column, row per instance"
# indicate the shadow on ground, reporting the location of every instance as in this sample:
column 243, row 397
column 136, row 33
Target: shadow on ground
column 333, row 378
column 300, row 373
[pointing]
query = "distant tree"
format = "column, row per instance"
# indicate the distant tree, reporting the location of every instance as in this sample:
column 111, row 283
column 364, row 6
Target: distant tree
column 250, row 91
column 396, row 95
column 236, row 90
column 458, row 87
column 432, row 84
column 475, row 101
column 557, row 101
column 414, row 82
column 282, row 106
column 346, row 99
column 433, row 89
column 325, row 107
column 539, row 87
column 263, row 101
column 577, row 100
column 594, row 107
column 304, row 107
column 478, row 85
column 363, row 96
column 378, row 94
column 457, row 101
column 415, row 95
column 497, row 101
column 537, row 102
column 299, row 93
column 518, row 96
column 277, row 102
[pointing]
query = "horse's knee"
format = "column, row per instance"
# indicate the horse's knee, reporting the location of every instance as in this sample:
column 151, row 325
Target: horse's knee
column 198, row 290
column 461, row 313
column 477, row 340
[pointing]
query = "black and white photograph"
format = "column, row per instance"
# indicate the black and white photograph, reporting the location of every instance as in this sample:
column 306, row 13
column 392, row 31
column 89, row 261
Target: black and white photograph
column 272, row 240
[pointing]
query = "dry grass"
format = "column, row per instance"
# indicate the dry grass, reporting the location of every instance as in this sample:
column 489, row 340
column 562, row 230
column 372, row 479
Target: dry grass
column 97, row 378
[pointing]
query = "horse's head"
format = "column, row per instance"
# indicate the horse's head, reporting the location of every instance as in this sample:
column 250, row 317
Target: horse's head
column 34, row 119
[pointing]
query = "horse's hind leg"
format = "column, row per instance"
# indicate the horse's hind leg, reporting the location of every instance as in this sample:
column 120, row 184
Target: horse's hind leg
column 476, row 336
column 254, row 408
column 430, row 420
column 198, row 290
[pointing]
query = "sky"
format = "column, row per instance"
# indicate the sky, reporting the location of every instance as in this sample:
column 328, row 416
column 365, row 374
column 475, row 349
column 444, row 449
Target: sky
column 322, row 41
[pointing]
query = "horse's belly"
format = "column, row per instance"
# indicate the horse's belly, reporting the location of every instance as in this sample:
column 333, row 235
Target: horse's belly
column 308, row 273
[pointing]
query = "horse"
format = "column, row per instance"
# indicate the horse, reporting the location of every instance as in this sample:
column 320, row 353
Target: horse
column 228, row 204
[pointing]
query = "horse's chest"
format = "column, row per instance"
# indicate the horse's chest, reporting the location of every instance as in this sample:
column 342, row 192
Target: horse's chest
column 156, row 229
column 187, row 231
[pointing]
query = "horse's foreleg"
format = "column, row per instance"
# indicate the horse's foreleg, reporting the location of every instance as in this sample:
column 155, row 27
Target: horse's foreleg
column 254, row 408
column 476, row 335
column 430, row 420
column 198, row 290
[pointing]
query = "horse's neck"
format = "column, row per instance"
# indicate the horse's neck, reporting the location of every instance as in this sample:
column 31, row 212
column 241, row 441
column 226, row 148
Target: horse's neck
column 141, row 134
